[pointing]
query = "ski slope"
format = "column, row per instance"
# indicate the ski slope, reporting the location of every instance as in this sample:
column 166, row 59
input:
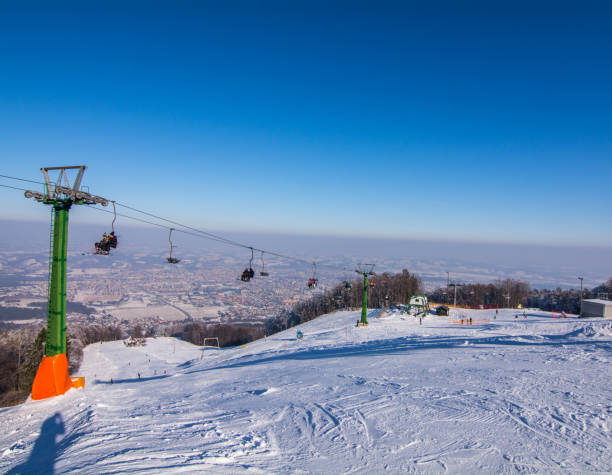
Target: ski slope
column 504, row 396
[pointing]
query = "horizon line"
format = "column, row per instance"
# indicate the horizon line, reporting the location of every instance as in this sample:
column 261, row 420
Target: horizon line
column 329, row 235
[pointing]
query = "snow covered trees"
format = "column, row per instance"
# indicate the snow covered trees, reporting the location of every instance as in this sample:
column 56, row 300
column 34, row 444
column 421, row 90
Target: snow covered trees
column 501, row 293
column 228, row 335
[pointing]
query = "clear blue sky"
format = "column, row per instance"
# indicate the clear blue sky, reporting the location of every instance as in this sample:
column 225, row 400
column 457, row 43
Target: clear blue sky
column 486, row 121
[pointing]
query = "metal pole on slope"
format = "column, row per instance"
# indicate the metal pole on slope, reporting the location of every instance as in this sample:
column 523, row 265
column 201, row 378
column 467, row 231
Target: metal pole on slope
column 508, row 296
column 365, row 270
column 581, row 279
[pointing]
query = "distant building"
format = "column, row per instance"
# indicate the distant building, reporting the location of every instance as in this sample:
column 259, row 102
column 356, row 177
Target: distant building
column 597, row 308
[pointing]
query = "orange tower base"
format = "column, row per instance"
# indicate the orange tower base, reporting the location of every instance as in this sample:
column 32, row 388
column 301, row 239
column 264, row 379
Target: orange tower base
column 52, row 378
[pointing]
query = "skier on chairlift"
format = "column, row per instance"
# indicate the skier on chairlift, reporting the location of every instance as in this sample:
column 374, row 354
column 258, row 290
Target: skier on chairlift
column 103, row 247
column 112, row 240
column 247, row 274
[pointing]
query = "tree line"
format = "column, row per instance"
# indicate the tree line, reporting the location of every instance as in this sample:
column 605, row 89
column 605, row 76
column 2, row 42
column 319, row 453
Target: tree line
column 22, row 350
column 512, row 293
column 228, row 335
column 501, row 293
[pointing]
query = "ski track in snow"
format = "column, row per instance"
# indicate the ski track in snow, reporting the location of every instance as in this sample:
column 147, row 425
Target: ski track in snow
column 509, row 396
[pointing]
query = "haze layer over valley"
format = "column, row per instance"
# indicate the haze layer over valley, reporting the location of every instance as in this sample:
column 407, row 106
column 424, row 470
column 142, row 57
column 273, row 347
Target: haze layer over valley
column 135, row 283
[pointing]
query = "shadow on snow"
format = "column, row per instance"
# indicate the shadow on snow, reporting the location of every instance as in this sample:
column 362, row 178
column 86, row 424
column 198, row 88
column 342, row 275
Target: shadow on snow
column 131, row 380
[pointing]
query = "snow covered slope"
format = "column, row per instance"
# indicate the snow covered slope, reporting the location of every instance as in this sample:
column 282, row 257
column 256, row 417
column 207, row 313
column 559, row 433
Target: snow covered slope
column 504, row 396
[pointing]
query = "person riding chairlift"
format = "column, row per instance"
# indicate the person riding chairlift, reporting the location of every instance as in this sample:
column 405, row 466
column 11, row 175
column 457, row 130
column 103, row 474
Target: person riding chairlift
column 112, row 240
column 103, row 247
column 247, row 274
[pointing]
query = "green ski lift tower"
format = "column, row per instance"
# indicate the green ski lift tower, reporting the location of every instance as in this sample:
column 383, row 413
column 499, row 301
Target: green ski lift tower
column 52, row 377
column 365, row 270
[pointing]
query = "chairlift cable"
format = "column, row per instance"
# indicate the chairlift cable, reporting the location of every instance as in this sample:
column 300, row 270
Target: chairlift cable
column 215, row 236
column 13, row 187
column 220, row 238
column 154, row 224
column 200, row 233
column 207, row 235
column 22, row 179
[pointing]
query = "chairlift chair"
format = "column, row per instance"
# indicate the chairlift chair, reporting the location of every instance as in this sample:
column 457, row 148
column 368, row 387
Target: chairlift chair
column 347, row 284
column 263, row 272
column 102, row 247
column 108, row 241
column 113, row 237
column 248, row 273
column 170, row 259
column 313, row 281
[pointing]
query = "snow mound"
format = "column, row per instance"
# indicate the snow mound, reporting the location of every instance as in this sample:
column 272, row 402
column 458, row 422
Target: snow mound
column 592, row 330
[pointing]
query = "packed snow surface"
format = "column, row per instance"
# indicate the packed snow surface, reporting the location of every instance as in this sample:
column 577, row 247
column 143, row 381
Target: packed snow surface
column 502, row 395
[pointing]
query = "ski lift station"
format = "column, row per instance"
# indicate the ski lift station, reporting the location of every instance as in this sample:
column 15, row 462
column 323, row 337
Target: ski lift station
column 597, row 308
column 418, row 304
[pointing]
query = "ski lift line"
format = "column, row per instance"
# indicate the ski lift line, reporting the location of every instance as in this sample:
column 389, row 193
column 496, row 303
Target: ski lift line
column 221, row 241
column 154, row 224
column 13, row 187
column 201, row 233
column 229, row 241
column 22, row 179
column 188, row 233
column 206, row 233
column 217, row 237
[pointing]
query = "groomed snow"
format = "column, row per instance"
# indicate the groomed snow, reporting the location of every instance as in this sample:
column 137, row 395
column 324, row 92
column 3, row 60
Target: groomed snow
column 511, row 395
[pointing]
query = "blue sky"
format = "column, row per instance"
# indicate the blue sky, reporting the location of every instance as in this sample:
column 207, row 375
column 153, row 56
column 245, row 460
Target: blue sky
column 485, row 121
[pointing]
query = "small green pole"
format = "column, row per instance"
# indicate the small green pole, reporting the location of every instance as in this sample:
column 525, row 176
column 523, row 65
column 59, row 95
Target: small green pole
column 56, row 311
column 364, row 306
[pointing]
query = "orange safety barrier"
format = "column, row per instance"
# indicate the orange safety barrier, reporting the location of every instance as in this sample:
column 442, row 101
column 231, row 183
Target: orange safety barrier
column 78, row 382
column 52, row 377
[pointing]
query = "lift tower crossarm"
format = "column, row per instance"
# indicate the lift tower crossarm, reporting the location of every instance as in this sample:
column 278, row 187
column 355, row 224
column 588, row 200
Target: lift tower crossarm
column 51, row 187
